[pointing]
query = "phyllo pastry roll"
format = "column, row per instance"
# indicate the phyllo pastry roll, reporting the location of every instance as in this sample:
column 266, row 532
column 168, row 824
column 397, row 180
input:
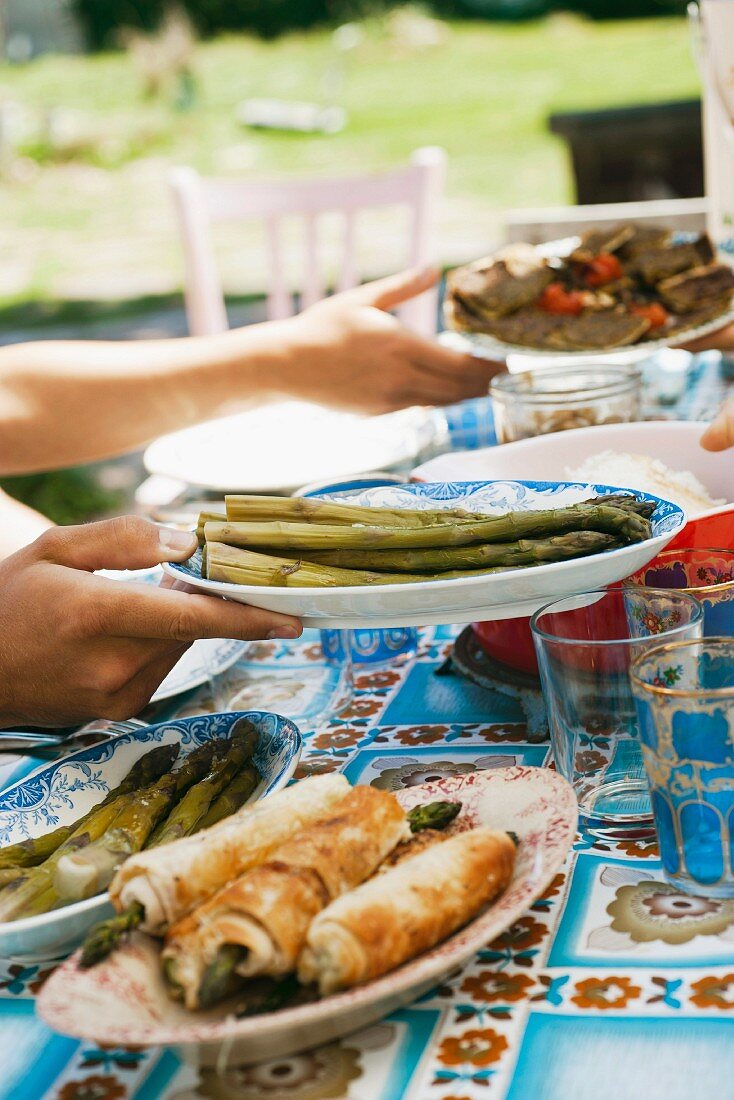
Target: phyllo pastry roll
column 170, row 881
column 257, row 925
column 406, row 910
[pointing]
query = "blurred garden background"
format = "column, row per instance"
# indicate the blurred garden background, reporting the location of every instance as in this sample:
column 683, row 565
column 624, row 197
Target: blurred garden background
column 99, row 98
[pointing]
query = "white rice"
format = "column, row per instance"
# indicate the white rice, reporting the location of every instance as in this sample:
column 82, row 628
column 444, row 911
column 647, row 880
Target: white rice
column 647, row 475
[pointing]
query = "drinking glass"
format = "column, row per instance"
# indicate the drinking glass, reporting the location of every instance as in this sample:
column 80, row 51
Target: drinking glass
column 585, row 645
column 685, row 701
column 706, row 574
column 309, row 680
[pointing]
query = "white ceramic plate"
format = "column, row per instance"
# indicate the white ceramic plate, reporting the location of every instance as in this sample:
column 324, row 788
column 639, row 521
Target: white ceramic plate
column 123, row 1001
column 675, row 443
column 59, row 793
column 279, row 447
column 480, row 343
column 503, row 595
column 207, row 657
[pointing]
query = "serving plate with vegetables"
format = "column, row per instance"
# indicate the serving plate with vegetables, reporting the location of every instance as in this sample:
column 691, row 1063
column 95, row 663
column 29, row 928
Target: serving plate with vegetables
column 327, row 928
column 65, row 828
column 445, row 552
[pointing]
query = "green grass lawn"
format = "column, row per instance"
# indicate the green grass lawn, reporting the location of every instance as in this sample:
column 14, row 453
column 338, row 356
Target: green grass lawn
column 100, row 224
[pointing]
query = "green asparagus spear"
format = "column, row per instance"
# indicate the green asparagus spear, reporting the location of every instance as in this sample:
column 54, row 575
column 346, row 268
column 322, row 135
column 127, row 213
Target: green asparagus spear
column 229, row 563
column 220, row 978
column 257, row 509
column 207, row 517
column 644, row 508
column 432, row 815
column 620, row 522
column 85, row 873
column 232, row 797
column 525, row 552
column 9, row 874
column 186, row 816
column 29, row 853
column 105, row 936
column 21, row 898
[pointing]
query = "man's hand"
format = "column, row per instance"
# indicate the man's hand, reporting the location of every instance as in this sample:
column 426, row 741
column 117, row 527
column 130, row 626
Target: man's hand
column 720, row 433
column 75, row 646
column 349, row 351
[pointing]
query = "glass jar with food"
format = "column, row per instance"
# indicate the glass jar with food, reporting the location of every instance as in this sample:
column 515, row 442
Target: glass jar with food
column 553, row 399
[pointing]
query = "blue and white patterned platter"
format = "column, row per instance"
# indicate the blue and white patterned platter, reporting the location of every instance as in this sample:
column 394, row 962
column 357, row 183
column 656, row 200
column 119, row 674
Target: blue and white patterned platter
column 59, row 793
column 504, row 595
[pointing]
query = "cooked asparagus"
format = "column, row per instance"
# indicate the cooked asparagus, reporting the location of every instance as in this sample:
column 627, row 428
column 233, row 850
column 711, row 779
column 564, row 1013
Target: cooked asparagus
column 85, row 873
column 187, row 815
column 220, row 977
column 229, row 563
column 33, row 891
column 207, row 517
column 607, row 518
column 644, row 508
column 254, row 509
column 29, row 853
column 106, row 936
column 232, row 797
column 525, row 552
column 432, row 815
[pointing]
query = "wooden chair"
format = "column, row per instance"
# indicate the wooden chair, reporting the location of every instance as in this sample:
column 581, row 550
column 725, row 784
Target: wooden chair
column 200, row 203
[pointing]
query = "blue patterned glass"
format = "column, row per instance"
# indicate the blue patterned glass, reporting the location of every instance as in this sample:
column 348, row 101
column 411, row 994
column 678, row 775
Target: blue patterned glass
column 685, row 700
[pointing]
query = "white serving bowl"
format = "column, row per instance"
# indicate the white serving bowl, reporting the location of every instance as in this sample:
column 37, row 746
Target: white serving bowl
column 676, row 443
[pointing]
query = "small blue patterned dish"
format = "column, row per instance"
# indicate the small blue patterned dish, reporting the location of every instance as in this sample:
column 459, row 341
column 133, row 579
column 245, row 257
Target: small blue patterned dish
column 508, row 594
column 63, row 791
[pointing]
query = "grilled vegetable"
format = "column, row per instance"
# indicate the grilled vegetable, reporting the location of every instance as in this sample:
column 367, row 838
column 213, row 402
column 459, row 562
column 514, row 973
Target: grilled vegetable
column 29, row 853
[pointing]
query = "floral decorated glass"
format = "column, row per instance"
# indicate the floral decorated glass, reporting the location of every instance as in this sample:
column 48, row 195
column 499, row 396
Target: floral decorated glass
column 706, row 574
column 585, row 645
column 685, row 701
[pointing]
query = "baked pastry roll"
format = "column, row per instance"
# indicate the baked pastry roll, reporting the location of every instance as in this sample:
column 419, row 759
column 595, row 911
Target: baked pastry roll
column 266, row 913
column 406, row 910
column 170, row 881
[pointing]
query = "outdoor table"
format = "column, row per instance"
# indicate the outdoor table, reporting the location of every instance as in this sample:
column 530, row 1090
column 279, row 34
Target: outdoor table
column 612, row 986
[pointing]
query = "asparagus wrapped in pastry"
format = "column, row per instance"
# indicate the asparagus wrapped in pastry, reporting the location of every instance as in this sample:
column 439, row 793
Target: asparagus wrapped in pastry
column 170, row 881
column 406, row 910
column 257, row 925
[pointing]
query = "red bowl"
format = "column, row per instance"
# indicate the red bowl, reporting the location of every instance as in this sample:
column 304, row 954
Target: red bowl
column 712, row 530
column 510, row 642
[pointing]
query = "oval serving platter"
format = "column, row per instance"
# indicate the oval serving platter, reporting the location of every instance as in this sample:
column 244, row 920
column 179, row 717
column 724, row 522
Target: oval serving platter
column 123, row 1000
column 503, row 595
column 491, row 347
column 59, row 793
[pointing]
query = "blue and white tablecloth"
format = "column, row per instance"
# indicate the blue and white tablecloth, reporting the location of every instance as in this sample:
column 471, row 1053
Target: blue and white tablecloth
column 612, row 987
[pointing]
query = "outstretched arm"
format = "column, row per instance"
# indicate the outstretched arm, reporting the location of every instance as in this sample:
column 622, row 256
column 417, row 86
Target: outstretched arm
column 19, row 525
column 63, row 403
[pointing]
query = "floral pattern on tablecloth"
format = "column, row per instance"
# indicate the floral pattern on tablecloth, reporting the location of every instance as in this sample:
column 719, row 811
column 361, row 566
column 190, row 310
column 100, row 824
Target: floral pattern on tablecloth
column 594, row 992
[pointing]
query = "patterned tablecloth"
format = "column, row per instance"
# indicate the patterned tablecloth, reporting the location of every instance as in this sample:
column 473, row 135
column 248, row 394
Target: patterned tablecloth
column 612, row 987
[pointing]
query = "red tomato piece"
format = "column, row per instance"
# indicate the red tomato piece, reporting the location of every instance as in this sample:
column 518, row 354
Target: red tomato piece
column 556, row 299
column 655, row 313
column 604, row 268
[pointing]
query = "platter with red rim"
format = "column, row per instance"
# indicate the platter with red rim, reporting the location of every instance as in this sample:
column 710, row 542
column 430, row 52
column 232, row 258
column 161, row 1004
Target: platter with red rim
column 123, row 1000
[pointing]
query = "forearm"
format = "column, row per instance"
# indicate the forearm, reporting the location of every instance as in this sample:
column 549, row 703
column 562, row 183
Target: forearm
column 19, row 525
column 68, row 402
